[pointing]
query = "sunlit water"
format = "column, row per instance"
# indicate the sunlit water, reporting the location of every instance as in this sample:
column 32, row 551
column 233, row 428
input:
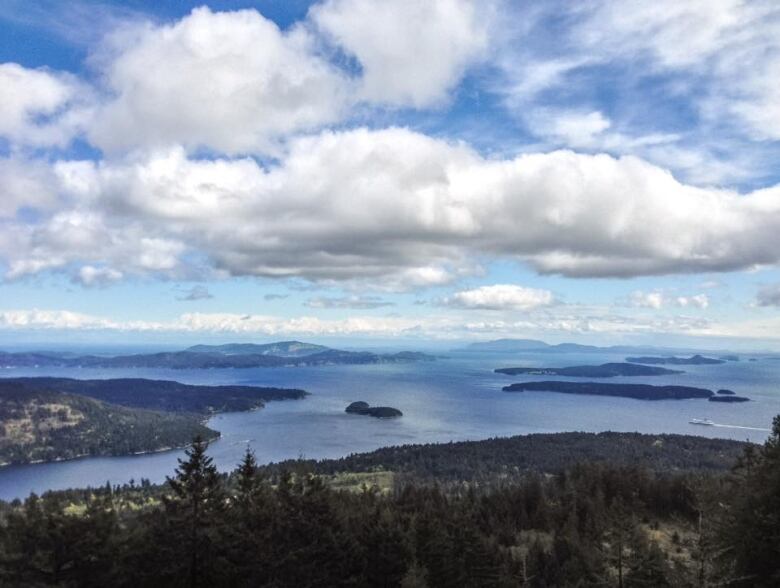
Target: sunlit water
column 457, row 398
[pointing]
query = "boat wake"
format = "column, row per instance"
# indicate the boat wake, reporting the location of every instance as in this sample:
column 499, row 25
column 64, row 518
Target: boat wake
column 709, row 423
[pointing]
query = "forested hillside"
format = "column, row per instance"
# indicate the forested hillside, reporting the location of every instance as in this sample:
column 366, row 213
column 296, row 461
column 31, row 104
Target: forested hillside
column 45, row 419
column 45, row 425
column 590, row 524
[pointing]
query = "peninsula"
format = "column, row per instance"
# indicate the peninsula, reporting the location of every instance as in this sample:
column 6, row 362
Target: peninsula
column 52, row 419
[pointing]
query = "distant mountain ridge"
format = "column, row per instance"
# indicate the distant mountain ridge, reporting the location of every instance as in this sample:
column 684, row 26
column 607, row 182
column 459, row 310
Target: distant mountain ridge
column 280, row 349
column 535, row 345
column 231, row 355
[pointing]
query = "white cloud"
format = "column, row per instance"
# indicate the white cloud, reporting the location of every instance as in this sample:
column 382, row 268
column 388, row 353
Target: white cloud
column 229, row 81
column 647, row 299
column 26, row 184
column 442, row 327
column 412, row 52
column 40, row 107
column 89, row 275
column 500, row 297
column 420, row 212
column 733, row 45
column 576, row 129
column 657, row 300
column 697, row 301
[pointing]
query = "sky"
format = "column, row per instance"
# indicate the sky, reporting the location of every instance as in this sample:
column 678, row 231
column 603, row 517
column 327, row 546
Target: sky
column 407, row 171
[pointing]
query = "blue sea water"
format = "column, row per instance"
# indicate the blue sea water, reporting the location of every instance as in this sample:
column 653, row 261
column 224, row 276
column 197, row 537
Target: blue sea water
column 454, row 398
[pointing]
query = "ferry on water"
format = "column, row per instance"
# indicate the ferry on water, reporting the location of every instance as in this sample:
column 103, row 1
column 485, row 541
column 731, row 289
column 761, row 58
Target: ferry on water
column 706, row 422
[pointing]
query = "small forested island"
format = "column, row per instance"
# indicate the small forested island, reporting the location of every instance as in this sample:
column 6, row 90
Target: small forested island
column 725, row 392
column 729, row 399
column 637, row 391
column 693, row 360
column 380, row 412
column 233, row 355
column 605, row 370
column 47, row 419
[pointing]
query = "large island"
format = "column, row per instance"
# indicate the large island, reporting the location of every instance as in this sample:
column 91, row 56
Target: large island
column 51, row 419
column 232, row 355
column 637, row 391
column 605, row 370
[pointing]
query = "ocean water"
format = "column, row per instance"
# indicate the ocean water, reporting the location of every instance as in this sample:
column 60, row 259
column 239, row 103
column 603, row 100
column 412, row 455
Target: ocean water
column 454, row 398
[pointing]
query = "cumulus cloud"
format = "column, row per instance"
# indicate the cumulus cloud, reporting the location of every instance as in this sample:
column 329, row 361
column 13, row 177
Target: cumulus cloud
column 40, row 107
column 411, row 52
column 89, row 275
column 353, row 302
column 500, row 297
column 657, row 300
column 420, row 212
column 269, row 297
column 230, row 81
column 26, row 184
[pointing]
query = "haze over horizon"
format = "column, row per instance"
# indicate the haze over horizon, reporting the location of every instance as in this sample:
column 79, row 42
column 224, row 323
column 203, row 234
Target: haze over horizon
column 358, row 172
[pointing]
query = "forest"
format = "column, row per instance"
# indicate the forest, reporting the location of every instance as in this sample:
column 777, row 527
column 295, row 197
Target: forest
column 43, row 425
column 45, row 419
column 588, row 524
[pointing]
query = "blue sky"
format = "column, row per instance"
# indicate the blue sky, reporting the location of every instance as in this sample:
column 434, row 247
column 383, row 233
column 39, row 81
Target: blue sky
column 364, row 171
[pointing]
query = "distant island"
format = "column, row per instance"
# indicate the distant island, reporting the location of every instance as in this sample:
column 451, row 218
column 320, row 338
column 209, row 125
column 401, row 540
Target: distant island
column 637, row 391
column 693, row 360
column 536, row 346
column 605, row 370
column 51, row 419
column 380, row 412
column 729, row 399
column 232, row 355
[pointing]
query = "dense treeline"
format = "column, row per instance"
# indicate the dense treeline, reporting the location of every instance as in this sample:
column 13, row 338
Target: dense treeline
column 509, row 458
column 40, row 425
column 589, row 525
column 164, row 395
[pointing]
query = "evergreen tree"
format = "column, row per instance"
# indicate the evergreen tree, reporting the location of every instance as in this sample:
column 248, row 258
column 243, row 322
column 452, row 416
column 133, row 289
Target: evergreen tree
column 750, row 533
column 195, row 510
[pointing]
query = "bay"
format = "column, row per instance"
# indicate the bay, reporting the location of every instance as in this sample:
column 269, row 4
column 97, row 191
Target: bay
column 453, row 398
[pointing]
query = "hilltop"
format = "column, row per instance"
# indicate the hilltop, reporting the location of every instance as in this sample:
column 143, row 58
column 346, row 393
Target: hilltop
column 231, row 355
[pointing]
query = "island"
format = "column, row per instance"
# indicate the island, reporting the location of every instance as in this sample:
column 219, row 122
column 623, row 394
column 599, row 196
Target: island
column 52, row 419
column 726, row 392
column 729, row 399
column 693, row 360
column 605, row 370
column 636, row 391
column 380, row 412
column 232, row 355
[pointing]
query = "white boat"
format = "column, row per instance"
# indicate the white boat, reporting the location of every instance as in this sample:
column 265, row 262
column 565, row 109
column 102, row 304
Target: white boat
column 706, row 422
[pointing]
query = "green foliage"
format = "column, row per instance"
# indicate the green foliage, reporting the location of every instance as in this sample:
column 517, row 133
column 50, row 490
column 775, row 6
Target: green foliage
column 82, row 426
column 750, row 518
column 591, row 524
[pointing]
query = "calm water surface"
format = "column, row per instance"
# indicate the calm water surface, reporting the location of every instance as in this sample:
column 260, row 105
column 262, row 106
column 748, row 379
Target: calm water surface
column 457, row 398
